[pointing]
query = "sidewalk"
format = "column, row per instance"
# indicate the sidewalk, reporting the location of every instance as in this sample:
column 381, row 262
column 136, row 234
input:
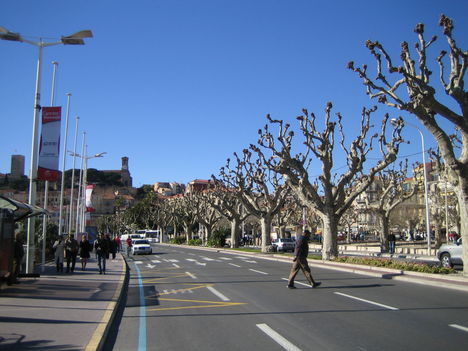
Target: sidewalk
column 61, row 311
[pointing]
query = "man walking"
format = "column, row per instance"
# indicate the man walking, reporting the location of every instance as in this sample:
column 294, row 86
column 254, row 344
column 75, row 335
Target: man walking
column 301, row 252
column 71, row 251
column 102, row 250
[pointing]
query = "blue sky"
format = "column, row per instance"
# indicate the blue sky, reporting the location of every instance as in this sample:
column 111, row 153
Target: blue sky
column 178, row 86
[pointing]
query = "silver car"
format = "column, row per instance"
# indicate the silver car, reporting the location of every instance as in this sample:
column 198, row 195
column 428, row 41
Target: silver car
column 284, row 244
column 450, row 254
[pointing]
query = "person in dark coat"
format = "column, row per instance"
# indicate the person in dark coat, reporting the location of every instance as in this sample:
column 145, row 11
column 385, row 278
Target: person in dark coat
column 112, row 246
column 101, row 246
column 85, row 251
column 18, row 253
column 301, row 252
column 71, row 251
column 391, row 243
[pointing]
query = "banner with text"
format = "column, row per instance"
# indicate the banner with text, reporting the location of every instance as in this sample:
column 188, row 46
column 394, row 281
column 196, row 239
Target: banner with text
column 89, row 193
column 49, row 148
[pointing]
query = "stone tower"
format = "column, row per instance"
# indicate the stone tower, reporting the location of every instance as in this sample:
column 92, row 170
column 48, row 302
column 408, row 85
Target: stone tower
column 125, row 173
column 17, row 166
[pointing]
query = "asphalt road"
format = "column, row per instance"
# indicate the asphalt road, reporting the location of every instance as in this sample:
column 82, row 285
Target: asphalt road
column 188, row 299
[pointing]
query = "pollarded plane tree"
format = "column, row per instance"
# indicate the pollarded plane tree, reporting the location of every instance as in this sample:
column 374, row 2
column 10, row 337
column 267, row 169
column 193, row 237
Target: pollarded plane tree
column 226, row 201
column 184, row 213
column 206, row 214
column 350, row 218
column 407, row 86
column 260, row 190
column 329, row 195
column 392, row 190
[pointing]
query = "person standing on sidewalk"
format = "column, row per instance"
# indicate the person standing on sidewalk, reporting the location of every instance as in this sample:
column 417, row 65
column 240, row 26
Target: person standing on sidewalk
column 85, row 251
column 59, row 247
column 102, row 251
column 391, row 243
column 301, row 252
column 18, row 253
column 71, row 251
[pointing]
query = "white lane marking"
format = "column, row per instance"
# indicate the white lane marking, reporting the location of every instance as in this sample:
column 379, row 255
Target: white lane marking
column 253, row 270
column 155, row 261
column 176, row 265
column 235, row 265
column 226, row 258
column 190, row 275
column 250, row 261
column 138, row 262
column 465, row 329
column 217, row 293
column 368, row 301
column 209, row 259
column 305, row 284
column 149, row 265
column 278, row 338
column 198, row 263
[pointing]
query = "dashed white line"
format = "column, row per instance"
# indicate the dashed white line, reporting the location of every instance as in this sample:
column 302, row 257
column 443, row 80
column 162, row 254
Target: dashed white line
column 461, row 327
column 254, row 270
column 155, row 261
column 190, row 275
column 287, row 345
column 217, row 293
column 176, row 265
column 235, row 265
column 368, row 301
column 226, row 258
column 296, row 282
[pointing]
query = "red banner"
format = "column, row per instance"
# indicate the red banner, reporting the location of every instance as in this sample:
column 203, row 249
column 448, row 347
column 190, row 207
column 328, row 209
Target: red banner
column 49, row 148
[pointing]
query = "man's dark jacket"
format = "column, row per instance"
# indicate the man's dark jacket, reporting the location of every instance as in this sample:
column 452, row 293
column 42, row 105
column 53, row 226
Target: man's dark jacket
column 302, row 247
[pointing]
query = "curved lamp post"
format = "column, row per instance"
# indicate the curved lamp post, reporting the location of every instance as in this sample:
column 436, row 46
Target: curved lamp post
column 74, row 39
column 395, row 121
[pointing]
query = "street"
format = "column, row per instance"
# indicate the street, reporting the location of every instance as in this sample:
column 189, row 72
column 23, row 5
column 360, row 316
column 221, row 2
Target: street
column 191, row 299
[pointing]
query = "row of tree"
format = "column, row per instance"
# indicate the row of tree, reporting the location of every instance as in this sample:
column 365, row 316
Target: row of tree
column 278, row 172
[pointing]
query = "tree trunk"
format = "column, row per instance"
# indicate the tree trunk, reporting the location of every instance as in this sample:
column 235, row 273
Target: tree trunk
column 330, row 244
column 438, row 237
column 462, row 195
column 384, row 220
column 235, row 231
column 266, row 232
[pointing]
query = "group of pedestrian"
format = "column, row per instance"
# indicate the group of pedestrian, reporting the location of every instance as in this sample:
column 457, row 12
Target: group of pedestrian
column 67, row 250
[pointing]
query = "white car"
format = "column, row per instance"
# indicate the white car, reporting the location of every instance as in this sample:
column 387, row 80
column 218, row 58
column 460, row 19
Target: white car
column 141, row 246
column 450, row 254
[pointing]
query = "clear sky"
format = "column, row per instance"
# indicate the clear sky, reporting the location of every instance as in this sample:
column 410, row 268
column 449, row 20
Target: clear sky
column 178, row 86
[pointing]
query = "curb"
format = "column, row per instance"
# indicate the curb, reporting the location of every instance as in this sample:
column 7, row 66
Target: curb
column 100, row 334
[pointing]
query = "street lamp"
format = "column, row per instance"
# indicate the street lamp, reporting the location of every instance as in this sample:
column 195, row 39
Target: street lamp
column 395, row 122
column 74, row 39
column 84, row 163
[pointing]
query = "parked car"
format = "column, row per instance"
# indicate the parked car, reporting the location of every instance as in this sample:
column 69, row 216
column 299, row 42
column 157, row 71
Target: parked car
column 450, row 254
column 284, row 244
column 141, row 246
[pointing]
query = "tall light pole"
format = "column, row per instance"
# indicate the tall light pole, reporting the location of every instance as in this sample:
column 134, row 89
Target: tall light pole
column 74, row 39
column 82, row 198
column 64, row 158
column 73, row 178
column 395, row 121
column 46, row 186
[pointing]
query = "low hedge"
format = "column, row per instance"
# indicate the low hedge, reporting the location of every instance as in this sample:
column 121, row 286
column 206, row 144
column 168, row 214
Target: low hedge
column 388, row 263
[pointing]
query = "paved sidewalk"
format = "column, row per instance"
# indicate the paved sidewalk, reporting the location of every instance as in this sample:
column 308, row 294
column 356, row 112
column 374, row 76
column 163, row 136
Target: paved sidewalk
column 61, row 311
